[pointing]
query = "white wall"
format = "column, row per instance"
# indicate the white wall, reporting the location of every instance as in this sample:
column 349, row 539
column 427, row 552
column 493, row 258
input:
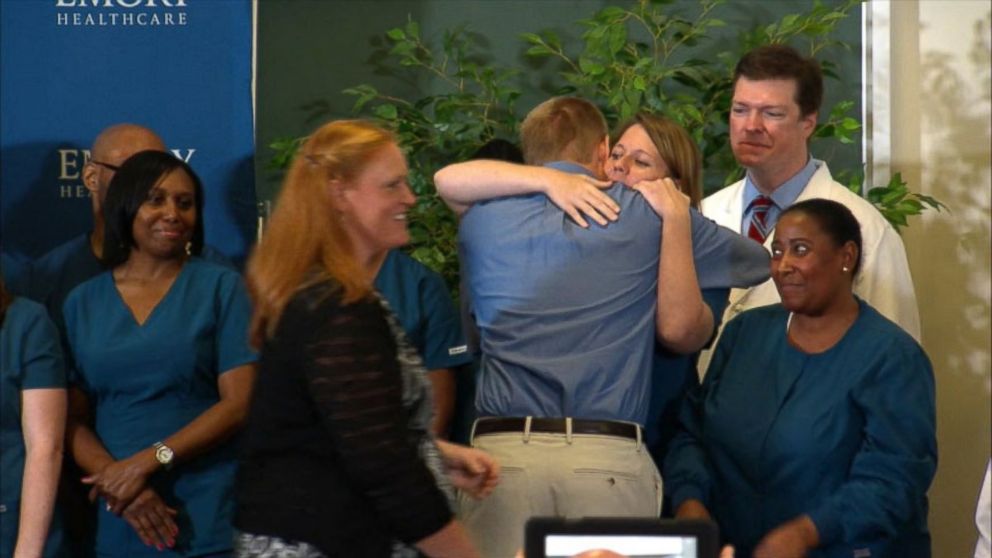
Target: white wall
column 931, row 91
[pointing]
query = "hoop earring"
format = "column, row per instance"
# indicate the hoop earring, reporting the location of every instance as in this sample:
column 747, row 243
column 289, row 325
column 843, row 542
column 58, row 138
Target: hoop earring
column 189, row 248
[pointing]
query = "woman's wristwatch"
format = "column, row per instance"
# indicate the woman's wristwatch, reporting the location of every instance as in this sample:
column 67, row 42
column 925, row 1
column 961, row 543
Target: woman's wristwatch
column 164, row 455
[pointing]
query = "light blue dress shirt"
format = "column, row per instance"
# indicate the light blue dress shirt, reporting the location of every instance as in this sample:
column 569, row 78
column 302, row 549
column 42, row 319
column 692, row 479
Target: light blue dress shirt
column 566, row 314
column 783, row 196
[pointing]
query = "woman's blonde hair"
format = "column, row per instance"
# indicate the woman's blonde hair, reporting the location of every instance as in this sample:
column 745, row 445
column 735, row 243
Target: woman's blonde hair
column 304, row 241
column 677, row 148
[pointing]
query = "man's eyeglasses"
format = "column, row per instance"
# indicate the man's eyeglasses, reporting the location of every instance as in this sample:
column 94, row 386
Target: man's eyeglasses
column 114, row 168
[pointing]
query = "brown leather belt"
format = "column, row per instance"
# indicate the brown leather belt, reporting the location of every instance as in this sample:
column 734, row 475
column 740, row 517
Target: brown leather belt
column 495, row 425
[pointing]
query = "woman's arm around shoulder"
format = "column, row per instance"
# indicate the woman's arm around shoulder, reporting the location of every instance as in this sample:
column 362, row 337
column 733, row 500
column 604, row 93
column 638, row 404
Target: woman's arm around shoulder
column 463, row 184
column 684, row 321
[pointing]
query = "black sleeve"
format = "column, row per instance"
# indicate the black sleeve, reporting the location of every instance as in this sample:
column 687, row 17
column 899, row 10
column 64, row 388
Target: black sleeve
column 353, row 376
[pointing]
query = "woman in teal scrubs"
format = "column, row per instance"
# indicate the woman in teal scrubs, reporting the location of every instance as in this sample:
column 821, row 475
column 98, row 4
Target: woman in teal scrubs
column 32, row 423
column 813, row 433
column 163, row 370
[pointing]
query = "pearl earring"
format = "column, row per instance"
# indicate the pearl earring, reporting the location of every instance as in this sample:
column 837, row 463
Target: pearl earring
column 846, row 269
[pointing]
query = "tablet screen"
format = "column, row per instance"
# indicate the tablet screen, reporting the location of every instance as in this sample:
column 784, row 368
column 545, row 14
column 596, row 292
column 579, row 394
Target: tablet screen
column 633, row 546
column 550, row 537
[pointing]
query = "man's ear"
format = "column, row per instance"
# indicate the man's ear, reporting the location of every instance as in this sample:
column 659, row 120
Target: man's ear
column 90, row 173
column 602, row 153
column 808, row 123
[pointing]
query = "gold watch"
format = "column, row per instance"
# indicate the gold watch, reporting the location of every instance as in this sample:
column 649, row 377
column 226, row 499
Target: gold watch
column 164, row 455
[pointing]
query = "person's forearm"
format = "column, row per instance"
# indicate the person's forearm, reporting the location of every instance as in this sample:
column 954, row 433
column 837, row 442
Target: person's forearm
column 684, row 321
column 443, row 386
column 43, row 424
column 214, row 425
column 41, row 479
column 451, row 541
column 445, row 448
column 692, row 509
column 120, row 481
column 83, row 445
column 86, row 449
column 462, row 184
column 89, row 453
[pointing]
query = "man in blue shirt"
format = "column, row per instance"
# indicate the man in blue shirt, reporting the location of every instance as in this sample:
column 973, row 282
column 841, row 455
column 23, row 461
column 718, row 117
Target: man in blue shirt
column 567, row 320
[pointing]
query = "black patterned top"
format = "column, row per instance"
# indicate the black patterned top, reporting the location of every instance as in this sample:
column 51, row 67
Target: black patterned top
column 336, row 451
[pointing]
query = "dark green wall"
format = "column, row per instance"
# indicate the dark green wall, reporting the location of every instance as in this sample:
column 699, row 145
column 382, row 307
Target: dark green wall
column 310, row 50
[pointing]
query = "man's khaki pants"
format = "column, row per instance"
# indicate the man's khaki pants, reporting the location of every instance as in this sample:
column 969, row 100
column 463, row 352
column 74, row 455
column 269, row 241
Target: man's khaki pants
column 558, row 475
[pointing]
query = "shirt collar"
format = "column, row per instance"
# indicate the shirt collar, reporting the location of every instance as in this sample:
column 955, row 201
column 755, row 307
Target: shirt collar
column 570, row 167
column 786, row 194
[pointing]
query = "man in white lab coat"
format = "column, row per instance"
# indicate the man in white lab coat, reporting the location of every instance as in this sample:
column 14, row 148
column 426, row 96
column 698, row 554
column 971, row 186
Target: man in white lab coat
column 776, row 99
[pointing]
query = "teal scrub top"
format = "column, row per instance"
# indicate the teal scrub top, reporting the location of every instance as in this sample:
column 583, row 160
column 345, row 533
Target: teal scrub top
column 30, row 358
column 55, row 274
column 146, row 382
column 420, row 300
column 16, row 274
column 846, row 436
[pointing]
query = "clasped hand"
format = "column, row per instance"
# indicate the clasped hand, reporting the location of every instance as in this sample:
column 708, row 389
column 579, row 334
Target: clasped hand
column 118, row 483
column 152, row 519
column 123, row 484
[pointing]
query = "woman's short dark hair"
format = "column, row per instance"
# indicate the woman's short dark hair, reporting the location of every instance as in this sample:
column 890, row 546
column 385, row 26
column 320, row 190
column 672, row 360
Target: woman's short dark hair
column 834, row 219
column 129, row 189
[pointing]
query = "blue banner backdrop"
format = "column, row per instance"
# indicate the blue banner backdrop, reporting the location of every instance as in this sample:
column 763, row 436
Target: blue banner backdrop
column 70, row 68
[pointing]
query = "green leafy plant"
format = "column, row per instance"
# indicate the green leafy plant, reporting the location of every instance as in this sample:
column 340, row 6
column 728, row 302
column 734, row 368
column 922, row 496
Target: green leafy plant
column 897, row 203
column 477, row 104
column 651, row 55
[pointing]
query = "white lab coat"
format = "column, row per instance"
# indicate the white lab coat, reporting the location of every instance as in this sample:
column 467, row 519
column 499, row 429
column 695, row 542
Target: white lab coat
column 983, row 516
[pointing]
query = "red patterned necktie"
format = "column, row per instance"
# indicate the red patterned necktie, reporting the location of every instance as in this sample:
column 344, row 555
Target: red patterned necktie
column 759, row 212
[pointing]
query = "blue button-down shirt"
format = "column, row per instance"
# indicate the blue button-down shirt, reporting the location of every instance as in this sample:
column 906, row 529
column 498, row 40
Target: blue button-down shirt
column 566, row 315
column 783, row 196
